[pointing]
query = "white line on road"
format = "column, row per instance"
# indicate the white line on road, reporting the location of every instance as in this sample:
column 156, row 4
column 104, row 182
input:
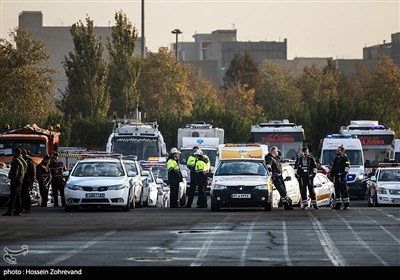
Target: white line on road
column 286, row 245
column 88, row 244
column 389, row 215
column 242, row 261
column 327, row 243
column 198, row 261
column 362, row 242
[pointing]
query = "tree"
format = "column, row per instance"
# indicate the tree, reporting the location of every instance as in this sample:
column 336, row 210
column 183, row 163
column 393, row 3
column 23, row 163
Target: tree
column 26, row 81
column 124, row 67
column 86, row 70
column 242, row 70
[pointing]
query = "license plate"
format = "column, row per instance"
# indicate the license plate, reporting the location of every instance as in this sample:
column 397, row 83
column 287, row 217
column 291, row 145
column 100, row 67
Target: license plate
column 241, row 195
column 96, row 195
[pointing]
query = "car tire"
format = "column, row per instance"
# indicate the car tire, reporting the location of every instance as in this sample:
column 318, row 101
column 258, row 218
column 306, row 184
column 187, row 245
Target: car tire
column 214, row 206
column 182, row 201
column 126, row 207
column 268, row 207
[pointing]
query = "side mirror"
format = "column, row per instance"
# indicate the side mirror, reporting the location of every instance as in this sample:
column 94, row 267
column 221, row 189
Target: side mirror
column 288, row 178
column 159, row 181
column 131, row 173
column 373, row 178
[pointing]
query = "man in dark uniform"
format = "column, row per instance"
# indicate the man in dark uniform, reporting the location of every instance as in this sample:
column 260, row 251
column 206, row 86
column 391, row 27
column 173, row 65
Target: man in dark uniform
column 272, row 160
column 29, row 179
column 201, row 178
column 191, row 162
column 174, row 177
column 340, row 168
column 16, row 176
column 305, row 170
column 43, row 176
column 57, row 179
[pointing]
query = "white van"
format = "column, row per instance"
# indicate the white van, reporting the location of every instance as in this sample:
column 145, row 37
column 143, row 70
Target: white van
column 355, row 155
column 395, row 151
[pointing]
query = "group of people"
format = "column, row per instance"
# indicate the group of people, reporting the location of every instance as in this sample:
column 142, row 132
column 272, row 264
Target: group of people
column 306, row 169
column 199, row 165
column 24, row 173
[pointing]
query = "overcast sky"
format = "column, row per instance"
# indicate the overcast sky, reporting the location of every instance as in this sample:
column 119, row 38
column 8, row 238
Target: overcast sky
column 338, row 29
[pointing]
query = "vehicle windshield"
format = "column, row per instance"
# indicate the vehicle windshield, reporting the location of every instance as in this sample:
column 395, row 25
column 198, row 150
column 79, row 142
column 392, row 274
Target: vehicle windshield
column 131, row 166
column 142, row 147
column 241, row 168
column 36, row 147
column 389, row 175
column 98, row 169
column 160, row 172
column 355, row 157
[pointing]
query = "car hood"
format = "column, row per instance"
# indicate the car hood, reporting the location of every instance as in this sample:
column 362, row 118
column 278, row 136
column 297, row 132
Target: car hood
column 241, row 180
column 96, row 181
column 390, row 185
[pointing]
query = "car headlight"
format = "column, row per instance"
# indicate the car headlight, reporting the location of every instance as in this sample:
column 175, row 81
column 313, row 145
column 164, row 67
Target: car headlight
column 219, row 187
column 116, row 187
column 74, row 187
column 360, row 177
column 261, row 187
column 382, row 190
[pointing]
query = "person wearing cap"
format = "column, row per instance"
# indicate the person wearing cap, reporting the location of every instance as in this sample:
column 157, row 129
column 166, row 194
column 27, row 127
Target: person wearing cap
column 29, row 179
column 174, row 176
column 201, row 168
column 191, row 163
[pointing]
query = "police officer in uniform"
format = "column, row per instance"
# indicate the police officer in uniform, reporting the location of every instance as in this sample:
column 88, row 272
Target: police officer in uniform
column 305, row 170
column 57, row 179
column 191, row 162
column 201, row 178
column 43, row 176
column 272, row 160
column 340, row 168
column 174, row 177
column 27, row 183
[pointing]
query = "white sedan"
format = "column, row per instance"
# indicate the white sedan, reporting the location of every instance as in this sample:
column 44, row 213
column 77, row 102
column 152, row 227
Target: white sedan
column 99, row 182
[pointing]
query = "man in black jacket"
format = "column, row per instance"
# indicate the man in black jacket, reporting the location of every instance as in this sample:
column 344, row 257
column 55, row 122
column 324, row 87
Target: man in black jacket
column 340, row 168
column 305, row 170
column 272, row 160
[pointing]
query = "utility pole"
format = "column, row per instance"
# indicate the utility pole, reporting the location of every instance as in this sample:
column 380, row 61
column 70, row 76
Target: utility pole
column 176, row 32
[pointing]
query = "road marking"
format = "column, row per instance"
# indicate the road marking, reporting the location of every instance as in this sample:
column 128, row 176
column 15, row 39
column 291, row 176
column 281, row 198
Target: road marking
column 286, row 245
column 389, row 215
column 247, row 243
column 362, row 242
column 327, row 243
column 88, row 244
column 382, row 227
column 198, row 261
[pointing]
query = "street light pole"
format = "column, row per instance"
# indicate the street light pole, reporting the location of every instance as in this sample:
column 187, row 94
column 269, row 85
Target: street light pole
column 176, row 32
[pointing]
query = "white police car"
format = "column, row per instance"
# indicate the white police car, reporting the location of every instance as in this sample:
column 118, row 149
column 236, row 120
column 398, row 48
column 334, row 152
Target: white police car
column 99, row 182
column 384, row 187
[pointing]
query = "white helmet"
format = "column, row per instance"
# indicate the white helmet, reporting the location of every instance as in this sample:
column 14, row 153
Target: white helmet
column 198, row 152
column 175, row 151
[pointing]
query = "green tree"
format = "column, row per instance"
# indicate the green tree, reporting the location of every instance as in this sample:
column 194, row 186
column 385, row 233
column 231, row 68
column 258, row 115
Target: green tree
column 242, row 70
column 27, row 83
column 86, row 70
column 124, row 67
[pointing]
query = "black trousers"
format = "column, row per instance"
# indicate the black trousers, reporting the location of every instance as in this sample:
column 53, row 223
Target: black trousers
column 174, row 192
column 58, row 188
column 15, row 197
column 341, row 191
column 192, row 191
column 280, row 186
column 44, row 194
column 306, row 183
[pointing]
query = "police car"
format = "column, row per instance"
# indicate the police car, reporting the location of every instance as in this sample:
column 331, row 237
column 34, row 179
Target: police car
column 241, row 178
column 99, row 181
column 384, row 186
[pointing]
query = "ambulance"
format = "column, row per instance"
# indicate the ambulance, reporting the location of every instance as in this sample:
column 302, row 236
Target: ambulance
column 395, row 151
column 241, row 178
column 354, row 152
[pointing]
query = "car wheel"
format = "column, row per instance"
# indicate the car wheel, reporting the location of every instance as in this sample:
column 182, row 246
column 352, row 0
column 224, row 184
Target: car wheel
column 126, row 207
column 268, row 207
column 214, row 206
column 182, row 201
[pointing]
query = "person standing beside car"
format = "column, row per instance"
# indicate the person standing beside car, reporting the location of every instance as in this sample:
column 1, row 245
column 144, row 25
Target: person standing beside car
column 274, row 165
column 43, row 176
column 57, row 179
column 29, row 179
column 174, row 177
column 191, row 162
column 305, row 170
column 16, row 176
column 201, row 169
column 340, row 168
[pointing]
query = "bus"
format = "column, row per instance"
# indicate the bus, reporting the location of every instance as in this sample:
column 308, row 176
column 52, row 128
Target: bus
column 376, row 140
column 287, row 136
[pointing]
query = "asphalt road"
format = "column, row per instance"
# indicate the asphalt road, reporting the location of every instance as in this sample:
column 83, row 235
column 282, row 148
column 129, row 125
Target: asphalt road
column 360, row 236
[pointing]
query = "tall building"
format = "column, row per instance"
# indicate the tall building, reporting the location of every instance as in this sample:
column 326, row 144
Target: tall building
column 58, row 42
column 213, row 53
column 391, row 49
